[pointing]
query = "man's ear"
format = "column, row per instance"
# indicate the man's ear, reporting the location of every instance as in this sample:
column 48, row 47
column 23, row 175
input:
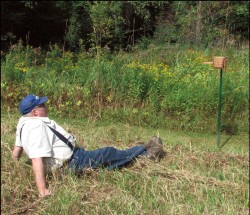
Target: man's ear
column 34, row 112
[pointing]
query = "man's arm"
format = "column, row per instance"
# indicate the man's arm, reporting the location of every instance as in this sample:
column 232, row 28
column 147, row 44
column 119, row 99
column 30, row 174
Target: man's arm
column 17, row 152
column 38, row 168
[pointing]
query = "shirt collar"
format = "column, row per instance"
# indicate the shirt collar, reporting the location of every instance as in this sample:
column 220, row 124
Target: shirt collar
column 44, row 119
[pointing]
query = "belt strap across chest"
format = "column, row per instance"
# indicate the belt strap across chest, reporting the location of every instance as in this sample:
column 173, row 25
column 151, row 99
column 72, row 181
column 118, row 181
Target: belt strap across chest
column 62, row 138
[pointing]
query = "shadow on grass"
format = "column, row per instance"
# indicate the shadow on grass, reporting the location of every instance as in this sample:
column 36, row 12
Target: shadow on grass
column 226, row 141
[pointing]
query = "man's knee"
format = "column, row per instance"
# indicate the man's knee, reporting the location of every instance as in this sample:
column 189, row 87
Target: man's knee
column 110, row 150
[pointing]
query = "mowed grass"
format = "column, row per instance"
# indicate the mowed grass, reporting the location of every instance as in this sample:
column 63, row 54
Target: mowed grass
column 194, row 178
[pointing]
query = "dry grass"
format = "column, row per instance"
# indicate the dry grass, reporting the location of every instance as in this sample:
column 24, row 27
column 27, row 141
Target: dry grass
column 194, row 177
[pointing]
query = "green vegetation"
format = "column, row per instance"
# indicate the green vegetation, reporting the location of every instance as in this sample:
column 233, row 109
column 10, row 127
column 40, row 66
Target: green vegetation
column 117, row 73
column 194, row 175
column 119, row 101
column 86, row 25
column 160, row 81
column 165, row 86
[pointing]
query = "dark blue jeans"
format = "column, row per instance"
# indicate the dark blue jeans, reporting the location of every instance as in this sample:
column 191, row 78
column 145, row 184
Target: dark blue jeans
column 107, row 157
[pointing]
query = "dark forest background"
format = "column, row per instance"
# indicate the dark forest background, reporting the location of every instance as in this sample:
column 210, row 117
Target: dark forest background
column 115, row 25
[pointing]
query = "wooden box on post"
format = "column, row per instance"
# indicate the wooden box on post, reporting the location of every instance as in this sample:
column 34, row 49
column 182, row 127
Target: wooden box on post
column 220, row 62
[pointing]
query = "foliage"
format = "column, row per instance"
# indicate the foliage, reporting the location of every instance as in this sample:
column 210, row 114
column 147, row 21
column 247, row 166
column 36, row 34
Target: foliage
column 148, row 87
column 212, row 23
column 107, row 22
column 80, row 25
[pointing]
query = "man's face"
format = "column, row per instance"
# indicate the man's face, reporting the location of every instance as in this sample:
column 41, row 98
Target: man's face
column 40, row 111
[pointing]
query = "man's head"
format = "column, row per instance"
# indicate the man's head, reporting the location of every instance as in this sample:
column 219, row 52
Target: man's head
column 33, row 105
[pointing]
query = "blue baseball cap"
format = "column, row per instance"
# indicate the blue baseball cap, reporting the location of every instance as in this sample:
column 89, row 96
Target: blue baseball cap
column 30, row 102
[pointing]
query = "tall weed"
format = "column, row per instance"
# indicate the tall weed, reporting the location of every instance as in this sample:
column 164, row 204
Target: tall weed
column 152, row 86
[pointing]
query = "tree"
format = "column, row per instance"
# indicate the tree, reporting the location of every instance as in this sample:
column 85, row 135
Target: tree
column 13, row 15
column 106, row 23
column 238, row 19
column 79, row 25
column 85, row 24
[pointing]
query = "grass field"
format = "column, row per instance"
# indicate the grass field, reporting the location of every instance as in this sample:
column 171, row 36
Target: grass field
column 194, row 178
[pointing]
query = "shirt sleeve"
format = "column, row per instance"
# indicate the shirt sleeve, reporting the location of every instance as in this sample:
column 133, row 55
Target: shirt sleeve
column 38, row 142
column 18, row 137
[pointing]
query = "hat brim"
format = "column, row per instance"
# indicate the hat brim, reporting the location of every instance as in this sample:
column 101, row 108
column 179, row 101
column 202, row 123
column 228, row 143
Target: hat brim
column 42, row 100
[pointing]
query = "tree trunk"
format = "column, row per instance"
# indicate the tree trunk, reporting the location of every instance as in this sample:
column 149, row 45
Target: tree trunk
column 198, row 24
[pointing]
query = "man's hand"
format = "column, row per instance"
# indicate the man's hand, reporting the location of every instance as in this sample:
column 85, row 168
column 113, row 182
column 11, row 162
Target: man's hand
column 45, row 192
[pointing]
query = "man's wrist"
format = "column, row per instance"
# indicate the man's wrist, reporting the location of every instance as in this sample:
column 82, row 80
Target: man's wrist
column 16, row 158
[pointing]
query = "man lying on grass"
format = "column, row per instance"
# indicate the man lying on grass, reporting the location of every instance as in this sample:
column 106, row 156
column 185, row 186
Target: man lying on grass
column 50, row 147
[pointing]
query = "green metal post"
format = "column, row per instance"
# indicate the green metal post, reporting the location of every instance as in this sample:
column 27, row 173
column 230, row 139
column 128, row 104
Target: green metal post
column 219, row 109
